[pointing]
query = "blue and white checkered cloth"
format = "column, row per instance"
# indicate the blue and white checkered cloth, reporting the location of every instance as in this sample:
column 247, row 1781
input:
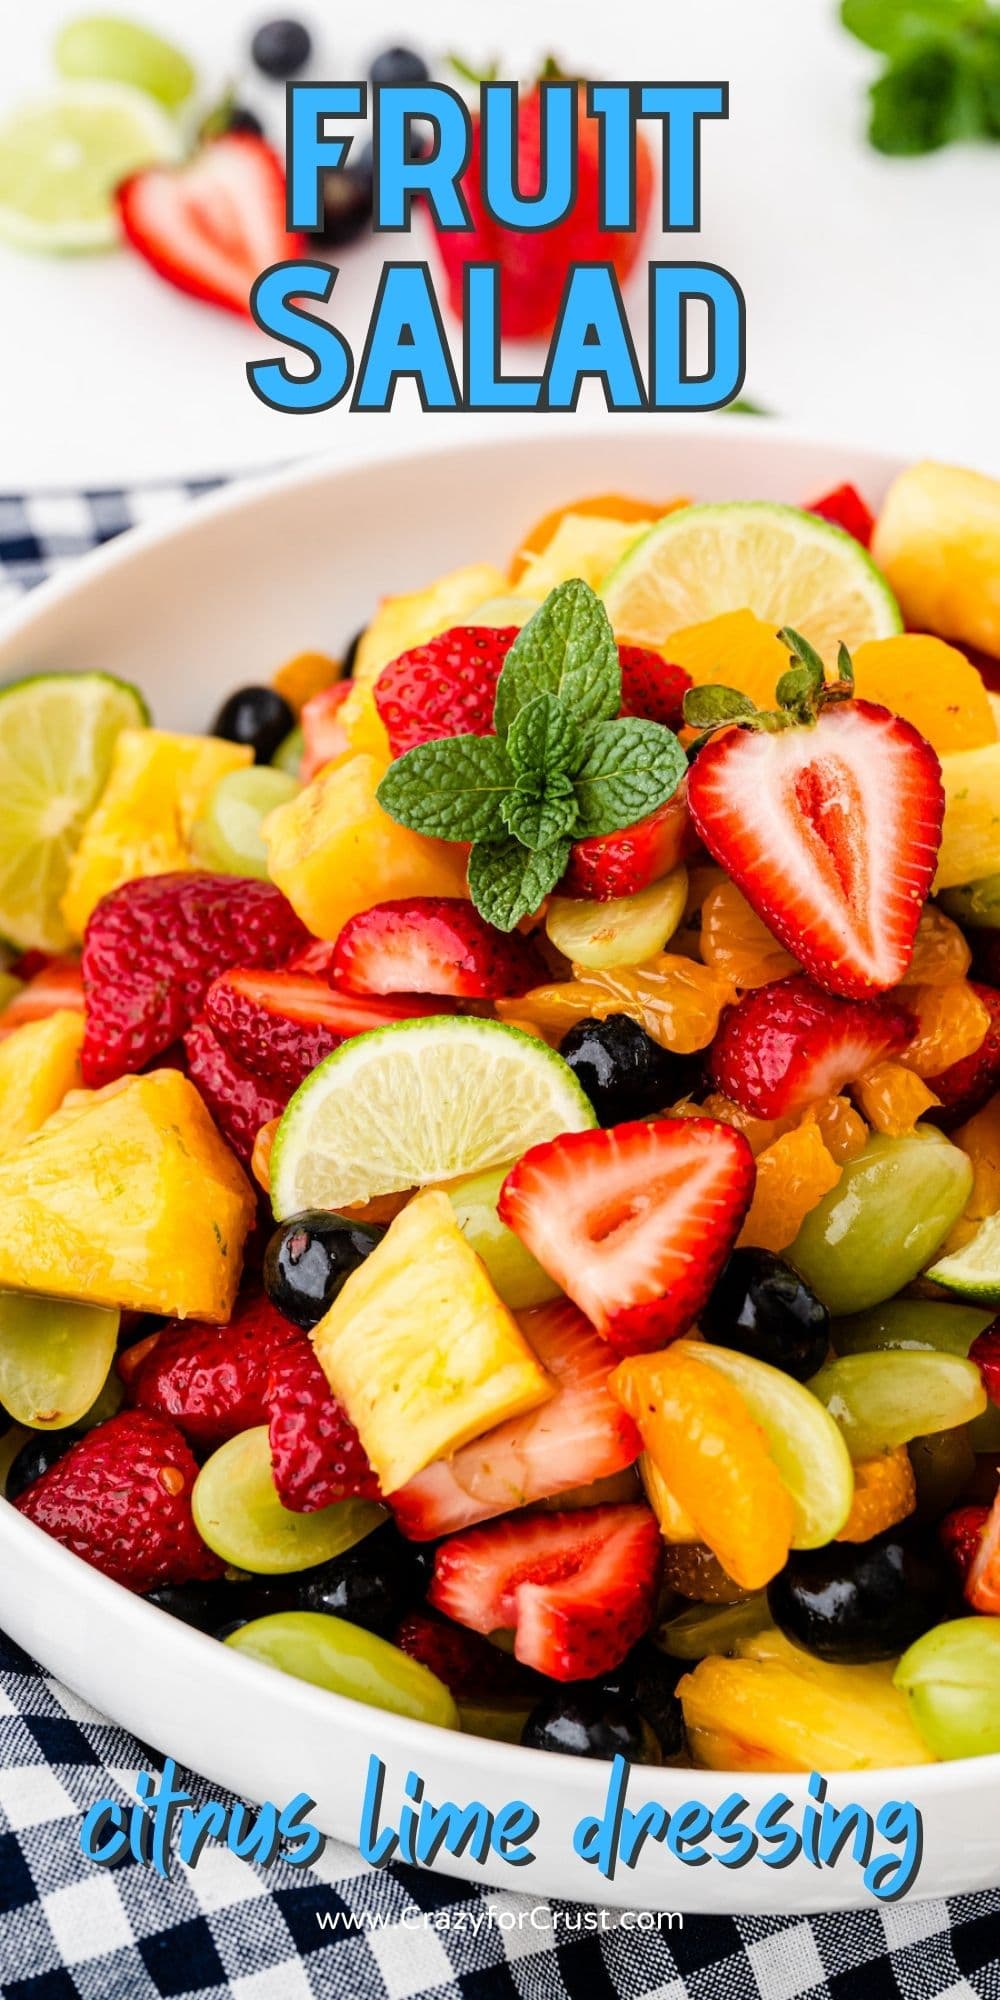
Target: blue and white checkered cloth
column 70, row 1930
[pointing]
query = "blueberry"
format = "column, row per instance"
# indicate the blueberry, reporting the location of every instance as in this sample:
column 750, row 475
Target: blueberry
column 648, row 1679
column 281, row 48
column 762, row 1307
column 259, row 716
column 35, row 1456
column 309, row 1258
column 373, row 1584
column 221, row 1607
column 853, row 1602
column 240, row 118
column 623, row 1071
column 347, row 202
column 583, row 1719
column 351, row 652
column 399, row 66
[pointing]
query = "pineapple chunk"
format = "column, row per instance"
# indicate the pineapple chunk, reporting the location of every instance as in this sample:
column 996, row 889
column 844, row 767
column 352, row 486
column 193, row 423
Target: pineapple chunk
column 938, row 541
column 157, row 787
column 127, row 1197
column 775, row 1708
column 39, row 1063
column 333, row 851
column 419, row 1348
column 402, row 622
column 970, row 841
column 587, row 545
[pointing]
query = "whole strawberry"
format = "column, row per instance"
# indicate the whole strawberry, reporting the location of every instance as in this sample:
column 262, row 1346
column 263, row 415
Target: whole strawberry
column 121, row 1500
column 446, row 687
column 153, row 947
column 212, row 1380
column 651, row 686
column 239, row 1102
column 317, row 1456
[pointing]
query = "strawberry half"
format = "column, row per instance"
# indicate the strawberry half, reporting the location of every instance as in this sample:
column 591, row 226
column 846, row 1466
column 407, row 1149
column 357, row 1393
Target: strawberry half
column 634, row 1223
column 211, row 226
column 465, row 1662
column 580, row 1435
column 432, row 944
column 982, row 1583
column 967, row 1085
column 238, row 1101
column 55, row 983
column 784, row 1045
column 831, row 831
column 317, row 1456
column 120, row 1498
column 960, row 1534
column 846, row 509
column 578, row 1588
column 211, row 1380
column 446, row 687
column 985, row 1353
column 652, row 687
column 619, row 864
column 323, row 734
column 279, row 1025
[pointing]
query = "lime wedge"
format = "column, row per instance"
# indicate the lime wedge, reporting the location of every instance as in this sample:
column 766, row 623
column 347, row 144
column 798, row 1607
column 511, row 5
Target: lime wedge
column 62, row 158
column 788, row 567
column 420, row 1101
column 973, row 1273
column 57, row 733
column 108, row 46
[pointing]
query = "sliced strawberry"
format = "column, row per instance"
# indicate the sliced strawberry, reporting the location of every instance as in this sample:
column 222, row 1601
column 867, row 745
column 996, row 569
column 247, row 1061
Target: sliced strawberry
column 578, row 1588
column 783, row 1046
column 446, row 687
column 580, row 1435
column 634, row 1223
column 831, row 831
column 960, row 1534
column 846, row 509
column 985, row 1353
column 279, row 1025
column 317, row 1456
column 432, row 944
column 211, row 226
column 212, row 1380
column 323, row 734
column 651, row 686
column 619, row 864
column 967, row 1085
column 315, row 959
column 55, row 983
column 465, row 1662
column 982, row 1583
column 238, row 1101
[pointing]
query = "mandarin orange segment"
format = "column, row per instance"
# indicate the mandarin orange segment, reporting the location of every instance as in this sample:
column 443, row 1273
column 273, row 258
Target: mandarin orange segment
column 607, row 506
column 893, row 1098
column 979, row 1137
column 737, row 944
column 930, row 684
column 940, row 952
column 677, row 1001
column 793, row 1175
column 758, row 1132
column 843, row 1132
column 304, row 675
column 260, row 1158
column 885, row 1491
column 736, row 649
column 952, row 1023
column 697, row 1428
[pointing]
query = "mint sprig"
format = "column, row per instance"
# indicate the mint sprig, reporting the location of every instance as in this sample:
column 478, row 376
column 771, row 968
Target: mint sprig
column 941, row 76
column 563, row 765
column 802, row 693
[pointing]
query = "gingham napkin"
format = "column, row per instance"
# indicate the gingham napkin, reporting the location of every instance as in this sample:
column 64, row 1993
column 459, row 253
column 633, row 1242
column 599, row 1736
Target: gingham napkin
column 341, row 1931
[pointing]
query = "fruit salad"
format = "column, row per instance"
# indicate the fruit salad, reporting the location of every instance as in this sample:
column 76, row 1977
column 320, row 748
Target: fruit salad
column 500, row 1139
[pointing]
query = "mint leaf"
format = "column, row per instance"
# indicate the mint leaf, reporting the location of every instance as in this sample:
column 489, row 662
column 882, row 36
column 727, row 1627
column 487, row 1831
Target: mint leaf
column 631, row 766
column 543, row 736
column 707, row 707
column 567, row 649
column 508, row 881
column 896, row 26
column 923, row 102
column 452, row 789
column 541, row 809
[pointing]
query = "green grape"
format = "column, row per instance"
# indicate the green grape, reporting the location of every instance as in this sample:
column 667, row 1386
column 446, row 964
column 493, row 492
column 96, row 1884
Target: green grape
column 883, row 1400
column 975, row 903
column 911, row 1323
column 333, row 1654
column 54, row 1358
column 626, row 931
column 889, row 1213
column 952, row 1679
column 227, row 837
column 119, row 51
column 289, row 753
column 10, row 987
column 943, row 1464
column 501, row 1717
column 713, row 1628
column 238, row 1513
column 512, row 1269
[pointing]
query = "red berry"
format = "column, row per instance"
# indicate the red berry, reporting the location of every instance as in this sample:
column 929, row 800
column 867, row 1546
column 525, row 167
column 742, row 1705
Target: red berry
column 985, row 1352
column 652, row 687
column 446, row 687
column 619, row 864
column 785, row 1045
column 238, row 1101
column 212, row 225
column 465, row 1662
column 278, row 1025
column 960, row 1534
column 212, row 1380
column 846, row 509
column 967, row 1085
column 432, row 944
column 317, row 1456
column 121, row 1499
column 323, row 734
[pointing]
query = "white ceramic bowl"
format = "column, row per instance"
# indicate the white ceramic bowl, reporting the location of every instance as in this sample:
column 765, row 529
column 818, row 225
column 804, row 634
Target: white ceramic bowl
column 189, row 610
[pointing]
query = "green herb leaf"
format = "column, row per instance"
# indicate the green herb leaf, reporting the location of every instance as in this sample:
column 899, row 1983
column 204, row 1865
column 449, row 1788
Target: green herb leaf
column 896, row 26
column 452, row 789
column 543, row 736
column 708, row 707
column 508, row 881
column 541, row 809
column 567, row 649
column 630, row 767
column 923, row 102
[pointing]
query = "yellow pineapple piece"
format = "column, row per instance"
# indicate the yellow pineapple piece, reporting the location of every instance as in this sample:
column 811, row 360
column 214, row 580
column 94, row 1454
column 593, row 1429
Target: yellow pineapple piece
column 127, row 1197
column 158, row 784
column 333, row 851
column 402, row 622
column 587, row 545
column 419, row 1348
column 776, row 1708
column 363, row 726
column 39, row 1063
column 938, row 541
column 970, row 840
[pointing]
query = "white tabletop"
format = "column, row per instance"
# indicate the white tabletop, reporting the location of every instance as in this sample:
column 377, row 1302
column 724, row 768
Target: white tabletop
column 873, row 285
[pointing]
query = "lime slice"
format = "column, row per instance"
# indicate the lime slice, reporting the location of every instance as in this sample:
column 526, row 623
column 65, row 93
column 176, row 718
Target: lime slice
column 62, row 158
column 420, row 1101
column 973, row 1273
column 788, row 567
column 57, row 733
column 108, row 46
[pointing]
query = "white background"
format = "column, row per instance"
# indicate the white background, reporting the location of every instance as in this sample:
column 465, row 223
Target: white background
column 873, row 286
